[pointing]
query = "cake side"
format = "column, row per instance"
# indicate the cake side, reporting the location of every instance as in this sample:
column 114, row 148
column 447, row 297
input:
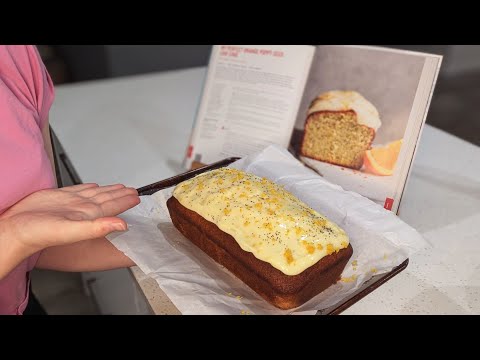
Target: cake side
column 282, row 291
column 336, row 137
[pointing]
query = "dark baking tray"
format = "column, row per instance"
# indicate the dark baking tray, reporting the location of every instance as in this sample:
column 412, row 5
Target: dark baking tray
column 370, row 285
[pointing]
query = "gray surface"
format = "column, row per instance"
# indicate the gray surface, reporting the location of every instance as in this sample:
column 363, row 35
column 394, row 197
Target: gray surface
column 138, row 59
column 454, row 106
column 84, row 62
column 89, row 62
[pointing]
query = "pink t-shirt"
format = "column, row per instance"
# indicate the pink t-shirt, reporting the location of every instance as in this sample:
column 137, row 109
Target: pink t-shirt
column 26, row 95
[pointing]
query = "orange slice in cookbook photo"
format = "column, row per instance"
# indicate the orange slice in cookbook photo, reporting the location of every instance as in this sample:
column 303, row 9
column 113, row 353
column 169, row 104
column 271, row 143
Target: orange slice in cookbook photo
column 381, row 160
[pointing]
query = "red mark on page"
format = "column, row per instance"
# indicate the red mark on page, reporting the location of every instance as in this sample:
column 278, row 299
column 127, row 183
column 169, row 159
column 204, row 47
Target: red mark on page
column 190, row 151
column 388, row 204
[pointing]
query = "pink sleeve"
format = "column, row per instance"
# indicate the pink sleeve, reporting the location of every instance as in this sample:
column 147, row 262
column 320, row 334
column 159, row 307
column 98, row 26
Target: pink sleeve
column 26, row 95
column 25, row 75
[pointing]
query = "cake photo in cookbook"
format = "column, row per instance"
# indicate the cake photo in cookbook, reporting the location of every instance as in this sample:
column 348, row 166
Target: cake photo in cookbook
column 340, row 129
column 360, row 107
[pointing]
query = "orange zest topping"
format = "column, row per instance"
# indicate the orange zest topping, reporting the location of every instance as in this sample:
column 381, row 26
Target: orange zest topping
column 310, row 248
column 288, row 256
column 330, row 249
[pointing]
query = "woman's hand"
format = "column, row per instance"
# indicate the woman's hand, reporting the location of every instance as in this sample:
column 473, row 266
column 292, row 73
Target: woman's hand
column 67, row 215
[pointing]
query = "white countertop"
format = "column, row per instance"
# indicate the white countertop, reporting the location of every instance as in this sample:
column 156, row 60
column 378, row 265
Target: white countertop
column 135, row 130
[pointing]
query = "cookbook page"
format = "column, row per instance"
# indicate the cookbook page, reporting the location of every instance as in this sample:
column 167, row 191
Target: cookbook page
column 250, row 100
column 361, row 117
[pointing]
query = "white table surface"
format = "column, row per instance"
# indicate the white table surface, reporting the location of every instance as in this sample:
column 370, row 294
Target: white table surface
column 135, row 130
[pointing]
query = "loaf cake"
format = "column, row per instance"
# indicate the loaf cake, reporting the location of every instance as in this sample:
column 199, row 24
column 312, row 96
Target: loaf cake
column 340, row 127
column 276, row 244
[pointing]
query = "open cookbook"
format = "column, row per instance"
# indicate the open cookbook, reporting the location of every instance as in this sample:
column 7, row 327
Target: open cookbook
column 354, row 114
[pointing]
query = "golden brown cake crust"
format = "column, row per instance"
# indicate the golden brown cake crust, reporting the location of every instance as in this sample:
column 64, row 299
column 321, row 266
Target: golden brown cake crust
column 282, row 291
column 358, row 164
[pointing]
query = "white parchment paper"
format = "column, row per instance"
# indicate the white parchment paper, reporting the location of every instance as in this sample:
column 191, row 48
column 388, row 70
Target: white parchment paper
column 196, row 284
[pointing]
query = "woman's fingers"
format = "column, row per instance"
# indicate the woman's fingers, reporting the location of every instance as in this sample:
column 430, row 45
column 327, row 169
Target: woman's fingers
column 77, row 188
column 91, row 192
column 74, row 231
column 114, row 194
column 119, row 205
column 61, row 216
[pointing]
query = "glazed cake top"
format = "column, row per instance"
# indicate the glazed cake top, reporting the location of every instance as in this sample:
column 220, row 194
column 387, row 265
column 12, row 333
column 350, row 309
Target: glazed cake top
column 263, row 218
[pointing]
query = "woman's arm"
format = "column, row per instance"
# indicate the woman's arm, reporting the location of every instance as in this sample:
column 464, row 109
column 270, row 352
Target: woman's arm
column 11, row 252
column 91, row 255
column 57, row 217
column 62, row 217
